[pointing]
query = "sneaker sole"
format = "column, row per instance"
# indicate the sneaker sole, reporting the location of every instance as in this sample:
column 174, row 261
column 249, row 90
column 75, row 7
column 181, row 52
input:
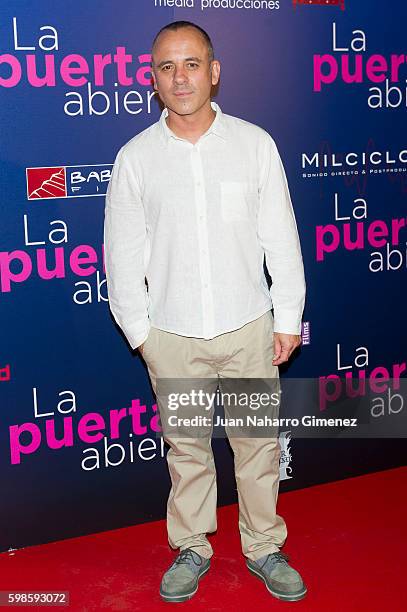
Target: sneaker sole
column 279, row 594
column 186, row 596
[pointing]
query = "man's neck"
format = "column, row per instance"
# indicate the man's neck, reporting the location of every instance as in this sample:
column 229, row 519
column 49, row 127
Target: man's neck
column 191, row 127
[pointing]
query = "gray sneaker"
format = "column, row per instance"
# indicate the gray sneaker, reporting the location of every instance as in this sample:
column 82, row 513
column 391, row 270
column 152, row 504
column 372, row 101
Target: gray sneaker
column 281, row 579
column 180, row 581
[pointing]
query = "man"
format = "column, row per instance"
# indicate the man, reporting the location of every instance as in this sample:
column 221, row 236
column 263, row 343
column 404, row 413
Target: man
column 195, row 203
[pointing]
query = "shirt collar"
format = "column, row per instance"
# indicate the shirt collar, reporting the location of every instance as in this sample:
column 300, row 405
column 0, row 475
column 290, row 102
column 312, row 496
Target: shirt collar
column 218, row 125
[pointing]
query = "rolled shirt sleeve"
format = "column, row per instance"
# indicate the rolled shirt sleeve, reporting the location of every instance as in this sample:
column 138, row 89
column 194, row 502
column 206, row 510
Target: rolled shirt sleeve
column 278, row 235
column 124, row 244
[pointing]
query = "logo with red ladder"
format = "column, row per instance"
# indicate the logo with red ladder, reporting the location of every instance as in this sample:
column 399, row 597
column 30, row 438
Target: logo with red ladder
column 46, row 183
column 67, row 181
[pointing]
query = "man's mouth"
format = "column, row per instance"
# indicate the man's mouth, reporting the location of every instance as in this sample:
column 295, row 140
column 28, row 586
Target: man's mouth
column 182, row 93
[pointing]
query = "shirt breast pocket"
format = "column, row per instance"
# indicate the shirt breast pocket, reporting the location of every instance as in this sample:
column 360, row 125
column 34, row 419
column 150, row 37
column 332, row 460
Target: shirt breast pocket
column 237, row 200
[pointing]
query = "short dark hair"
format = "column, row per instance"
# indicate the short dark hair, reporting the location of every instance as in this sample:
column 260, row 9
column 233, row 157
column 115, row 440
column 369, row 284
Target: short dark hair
column 176, row 25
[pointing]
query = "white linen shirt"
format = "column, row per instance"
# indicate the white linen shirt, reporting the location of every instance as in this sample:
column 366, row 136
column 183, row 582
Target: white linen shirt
column 195, row 221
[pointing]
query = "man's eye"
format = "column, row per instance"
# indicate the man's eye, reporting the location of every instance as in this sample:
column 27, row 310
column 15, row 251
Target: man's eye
column 168, row 67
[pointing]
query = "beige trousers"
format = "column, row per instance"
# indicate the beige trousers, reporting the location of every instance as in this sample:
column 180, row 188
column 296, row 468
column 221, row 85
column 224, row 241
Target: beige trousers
column 191, row 510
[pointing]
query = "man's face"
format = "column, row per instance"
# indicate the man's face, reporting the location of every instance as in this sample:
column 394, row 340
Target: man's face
column 182, row 73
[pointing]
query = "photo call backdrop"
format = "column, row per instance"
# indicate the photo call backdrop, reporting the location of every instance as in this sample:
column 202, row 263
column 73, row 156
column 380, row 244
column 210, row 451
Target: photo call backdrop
column 328, row 81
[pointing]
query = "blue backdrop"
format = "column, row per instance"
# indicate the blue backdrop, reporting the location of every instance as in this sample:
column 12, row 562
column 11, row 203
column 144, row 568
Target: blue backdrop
column 326, row 83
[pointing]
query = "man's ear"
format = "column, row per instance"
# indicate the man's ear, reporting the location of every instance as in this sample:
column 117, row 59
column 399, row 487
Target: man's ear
column 154, row 81
column 215, row 71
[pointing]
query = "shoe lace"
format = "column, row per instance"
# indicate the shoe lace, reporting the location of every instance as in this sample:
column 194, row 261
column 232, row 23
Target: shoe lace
column 279, row 557
column 186, row 556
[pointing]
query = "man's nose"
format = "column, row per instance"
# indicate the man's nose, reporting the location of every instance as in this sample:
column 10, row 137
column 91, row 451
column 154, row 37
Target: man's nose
column 180, row 75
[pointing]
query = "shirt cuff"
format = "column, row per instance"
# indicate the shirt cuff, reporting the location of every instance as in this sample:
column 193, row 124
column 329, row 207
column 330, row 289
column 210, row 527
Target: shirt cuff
column 137, row 334
column 287, row 323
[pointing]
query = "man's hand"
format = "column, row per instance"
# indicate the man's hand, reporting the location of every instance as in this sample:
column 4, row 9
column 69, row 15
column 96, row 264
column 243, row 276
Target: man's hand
column 284, row 345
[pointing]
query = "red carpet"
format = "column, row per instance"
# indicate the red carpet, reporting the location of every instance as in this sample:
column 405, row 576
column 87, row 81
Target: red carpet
column 347, row 538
